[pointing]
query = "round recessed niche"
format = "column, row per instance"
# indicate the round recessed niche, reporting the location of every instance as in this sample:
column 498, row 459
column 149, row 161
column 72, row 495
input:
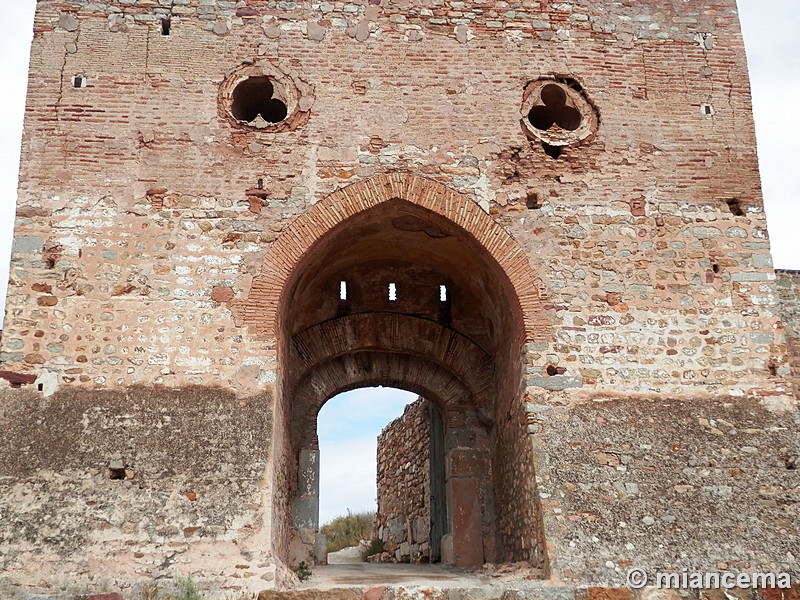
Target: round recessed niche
column 264, row 98
column 557, row 113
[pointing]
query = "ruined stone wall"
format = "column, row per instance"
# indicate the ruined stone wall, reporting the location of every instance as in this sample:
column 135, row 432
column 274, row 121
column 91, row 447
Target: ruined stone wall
column 144, row 211
column 98, row 486
column 618, row 474
column 789, row 293
column 403, row 519
column 519, row 526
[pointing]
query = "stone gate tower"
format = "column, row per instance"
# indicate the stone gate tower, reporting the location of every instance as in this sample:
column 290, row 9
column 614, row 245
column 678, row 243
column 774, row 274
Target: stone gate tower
column 543, row 217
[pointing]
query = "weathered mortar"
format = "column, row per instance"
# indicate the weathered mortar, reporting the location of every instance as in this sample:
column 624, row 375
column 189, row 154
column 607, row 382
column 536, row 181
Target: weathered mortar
column 713, row 481
column 196, row 459
column 94, row 242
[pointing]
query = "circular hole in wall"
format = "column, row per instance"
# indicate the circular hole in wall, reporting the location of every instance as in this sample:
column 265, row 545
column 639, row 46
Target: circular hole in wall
column 254, row 97
column 554, row 110
column 557, row 113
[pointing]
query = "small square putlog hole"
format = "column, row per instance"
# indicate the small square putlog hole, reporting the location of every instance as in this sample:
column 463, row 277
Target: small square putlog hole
column 532, row 201
column 735, row 207
column 118, row 471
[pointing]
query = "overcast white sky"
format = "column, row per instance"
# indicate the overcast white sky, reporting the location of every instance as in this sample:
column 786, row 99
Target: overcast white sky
column 773, row 47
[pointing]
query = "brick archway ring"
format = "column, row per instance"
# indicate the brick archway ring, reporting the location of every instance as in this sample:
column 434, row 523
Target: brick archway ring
column 261, row 307
column 382, row 332
column 343, row 373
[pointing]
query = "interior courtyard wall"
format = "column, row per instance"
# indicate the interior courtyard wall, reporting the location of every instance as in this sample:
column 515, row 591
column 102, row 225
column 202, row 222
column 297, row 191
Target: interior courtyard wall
column 403, row 520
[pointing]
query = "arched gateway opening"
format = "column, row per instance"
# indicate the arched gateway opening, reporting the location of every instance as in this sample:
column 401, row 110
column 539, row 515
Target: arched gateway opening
column 399, row 281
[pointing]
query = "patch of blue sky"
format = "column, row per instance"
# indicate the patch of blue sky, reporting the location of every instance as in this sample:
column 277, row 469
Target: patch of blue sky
column 348, row 427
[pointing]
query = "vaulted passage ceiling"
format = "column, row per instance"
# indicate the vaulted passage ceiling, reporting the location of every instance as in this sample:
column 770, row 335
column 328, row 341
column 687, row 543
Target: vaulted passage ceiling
column 418, row 251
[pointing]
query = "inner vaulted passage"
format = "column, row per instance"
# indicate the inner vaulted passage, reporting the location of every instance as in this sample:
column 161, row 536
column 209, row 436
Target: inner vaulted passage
column 398, row 293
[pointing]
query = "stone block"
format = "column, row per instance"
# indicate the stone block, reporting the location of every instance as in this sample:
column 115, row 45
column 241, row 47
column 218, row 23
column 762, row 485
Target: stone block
column 421, row 529
column 305, row 513
column 543, row 593
column 467, row 527
column 27, row 244
column 768, row 593
column 374, row 593
column 652, row 593
column 320, row 549
column 328, row 594
column 556, row 382
column 752, row 277
column 604, row 593
column 466, row 463
column 448, row 553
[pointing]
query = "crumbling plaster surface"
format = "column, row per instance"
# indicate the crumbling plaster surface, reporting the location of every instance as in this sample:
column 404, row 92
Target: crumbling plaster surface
column 192, row 503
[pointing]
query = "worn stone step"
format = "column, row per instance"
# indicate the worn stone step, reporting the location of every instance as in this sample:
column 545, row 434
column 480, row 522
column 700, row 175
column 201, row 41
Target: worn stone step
column 410, row 592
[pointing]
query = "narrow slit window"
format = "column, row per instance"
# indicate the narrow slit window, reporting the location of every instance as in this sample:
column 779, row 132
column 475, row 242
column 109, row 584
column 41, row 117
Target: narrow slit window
column 392, row 292
column 166, row 24
column 445, row 309
column 342, row 290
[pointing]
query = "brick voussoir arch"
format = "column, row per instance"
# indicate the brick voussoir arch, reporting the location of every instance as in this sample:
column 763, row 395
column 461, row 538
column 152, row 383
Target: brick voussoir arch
column 343, row 373
column 261, row 307
column 401, row 334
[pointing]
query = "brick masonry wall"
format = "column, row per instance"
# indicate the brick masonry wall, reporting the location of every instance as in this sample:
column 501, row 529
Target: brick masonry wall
column 789, row 309
column 403, row 521
column 134, row 227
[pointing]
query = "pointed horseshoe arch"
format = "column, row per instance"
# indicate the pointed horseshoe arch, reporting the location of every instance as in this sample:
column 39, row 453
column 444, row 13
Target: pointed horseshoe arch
column 261, row 307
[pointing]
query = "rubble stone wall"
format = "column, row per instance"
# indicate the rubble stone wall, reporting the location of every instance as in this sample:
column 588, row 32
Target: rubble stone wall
column 98, row 486
column 403, row 521
column 616, row 474
column 789, row 309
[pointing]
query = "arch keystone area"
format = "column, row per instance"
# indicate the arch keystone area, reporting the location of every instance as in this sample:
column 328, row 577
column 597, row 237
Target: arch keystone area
column 261, row 307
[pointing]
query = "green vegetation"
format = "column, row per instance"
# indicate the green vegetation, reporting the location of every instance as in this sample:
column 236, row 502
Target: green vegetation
column 185, row 590
column 374, row 547
column 303, row 571
column 348, row 531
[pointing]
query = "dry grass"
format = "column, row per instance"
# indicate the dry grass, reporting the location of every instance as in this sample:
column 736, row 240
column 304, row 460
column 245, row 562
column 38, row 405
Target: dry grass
column 186, row 590
column 349, row 530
